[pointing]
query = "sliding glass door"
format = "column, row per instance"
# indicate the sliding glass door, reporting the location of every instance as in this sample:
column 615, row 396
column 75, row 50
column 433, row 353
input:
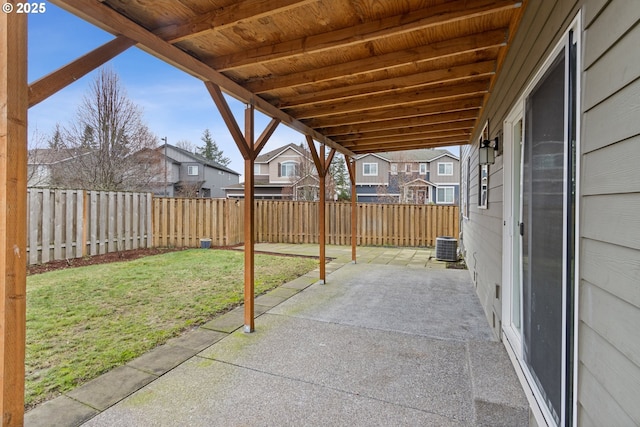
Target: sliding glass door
column 539, row 240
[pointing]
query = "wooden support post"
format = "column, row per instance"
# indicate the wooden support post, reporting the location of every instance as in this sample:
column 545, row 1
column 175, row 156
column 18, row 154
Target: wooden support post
column 13, row 214
column 249, row 240
column 249, row 226
column 322, row 166
column 322, row 222
column 351, row 167
column 250, row 149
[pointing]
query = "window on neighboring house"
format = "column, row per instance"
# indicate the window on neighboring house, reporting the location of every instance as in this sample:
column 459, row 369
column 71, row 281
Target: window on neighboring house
column 407, row 167
column 370, row 169
column 445, row 168
column 288, row 169
column 394, row 168
column 256, row 169
column 445, row 195
column 192, row 170
column 423, row 168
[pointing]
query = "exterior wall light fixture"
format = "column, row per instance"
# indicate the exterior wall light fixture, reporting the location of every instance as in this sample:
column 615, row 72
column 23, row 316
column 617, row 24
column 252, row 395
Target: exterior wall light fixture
column 488, row 150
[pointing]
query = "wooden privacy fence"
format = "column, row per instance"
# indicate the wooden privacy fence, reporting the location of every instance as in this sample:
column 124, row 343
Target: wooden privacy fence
column 182, row 222
column 66, row 224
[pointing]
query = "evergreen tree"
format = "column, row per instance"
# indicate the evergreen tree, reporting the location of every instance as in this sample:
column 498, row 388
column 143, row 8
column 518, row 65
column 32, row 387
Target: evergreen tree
column 56, row 143
column 211, row 151
column 340, row 176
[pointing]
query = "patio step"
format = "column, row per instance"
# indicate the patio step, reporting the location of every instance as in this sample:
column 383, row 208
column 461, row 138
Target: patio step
column 497, row 394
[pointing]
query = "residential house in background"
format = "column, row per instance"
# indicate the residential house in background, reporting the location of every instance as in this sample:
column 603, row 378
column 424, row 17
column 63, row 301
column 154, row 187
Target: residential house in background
column 428, row 176
column 286, row 173
column 185, row 174
column 45, row 166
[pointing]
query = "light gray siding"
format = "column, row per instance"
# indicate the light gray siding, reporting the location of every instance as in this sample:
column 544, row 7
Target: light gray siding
column 444, row 179
column 608, row 369
column 609, row 310
column 383, row 171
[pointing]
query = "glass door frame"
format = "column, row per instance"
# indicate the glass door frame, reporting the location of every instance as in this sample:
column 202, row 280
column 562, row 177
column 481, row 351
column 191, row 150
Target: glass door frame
column 511, row 259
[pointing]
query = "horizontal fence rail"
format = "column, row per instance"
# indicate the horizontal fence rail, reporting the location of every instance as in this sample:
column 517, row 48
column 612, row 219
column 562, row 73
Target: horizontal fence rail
column 67, row 224
column 183, row 222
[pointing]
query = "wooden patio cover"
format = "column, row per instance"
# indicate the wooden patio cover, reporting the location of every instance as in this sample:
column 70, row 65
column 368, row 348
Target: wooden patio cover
column 357, row 76
column 360, row 76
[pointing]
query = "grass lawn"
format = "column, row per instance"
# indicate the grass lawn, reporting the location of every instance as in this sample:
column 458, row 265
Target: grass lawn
column 82, row 322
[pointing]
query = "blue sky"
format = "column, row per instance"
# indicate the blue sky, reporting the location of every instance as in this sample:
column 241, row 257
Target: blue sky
column 175, row 105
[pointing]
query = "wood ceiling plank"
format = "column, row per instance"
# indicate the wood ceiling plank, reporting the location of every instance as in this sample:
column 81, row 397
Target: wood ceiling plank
column 447, row 48
column 463, row 125
column 218, row 19
column 392, row 99
column 448, row 75
column 365, row 145
column 395, row 124
column 385, row 148
column 369, row 116
column 421, row 19
column 426, row 133
column 113, row 22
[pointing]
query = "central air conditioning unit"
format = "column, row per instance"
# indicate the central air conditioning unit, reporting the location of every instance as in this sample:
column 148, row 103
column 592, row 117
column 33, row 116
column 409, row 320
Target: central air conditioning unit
column 446, row 249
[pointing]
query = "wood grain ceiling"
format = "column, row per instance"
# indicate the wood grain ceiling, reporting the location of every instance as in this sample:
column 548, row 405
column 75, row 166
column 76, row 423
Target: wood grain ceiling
column 360, row 76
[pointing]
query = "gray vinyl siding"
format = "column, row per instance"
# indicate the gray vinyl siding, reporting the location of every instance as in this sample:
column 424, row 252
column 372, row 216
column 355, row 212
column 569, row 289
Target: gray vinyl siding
column 609, row 309
column 609, row 185
column 383, row 171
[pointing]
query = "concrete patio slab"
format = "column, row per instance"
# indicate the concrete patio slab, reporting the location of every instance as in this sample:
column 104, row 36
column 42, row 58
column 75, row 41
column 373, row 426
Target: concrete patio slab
column 441, row 304
column 400, row 369
column 404, row 344
column 206, row 393
column 61, row 411
column 162, row 359
column 111, row 387
column 197, row 339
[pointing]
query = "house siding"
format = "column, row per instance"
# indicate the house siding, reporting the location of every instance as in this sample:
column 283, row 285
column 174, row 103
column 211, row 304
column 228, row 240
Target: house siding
column 288, row 155
column 608, row 352
column 383, row 171
column 609, row 308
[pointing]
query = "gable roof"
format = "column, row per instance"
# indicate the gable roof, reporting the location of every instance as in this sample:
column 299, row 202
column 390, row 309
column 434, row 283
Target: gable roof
column 50, row 156
column 197, row 157
column 270, row 155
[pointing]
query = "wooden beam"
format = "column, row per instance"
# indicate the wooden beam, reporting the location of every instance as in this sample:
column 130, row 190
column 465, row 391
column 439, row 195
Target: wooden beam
column 410, row 143
column 46, row 86
column 415, row 110
column 382, row 86
column 433, row 51
column 397, row 147
column 266, row 134
column 394, row 26
column 229, row 119
column 13, row 214
column 403, row 138
column 110, row 20
column 393, row 100
column 398, row 124
column 225, row 17
column 464, row 125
